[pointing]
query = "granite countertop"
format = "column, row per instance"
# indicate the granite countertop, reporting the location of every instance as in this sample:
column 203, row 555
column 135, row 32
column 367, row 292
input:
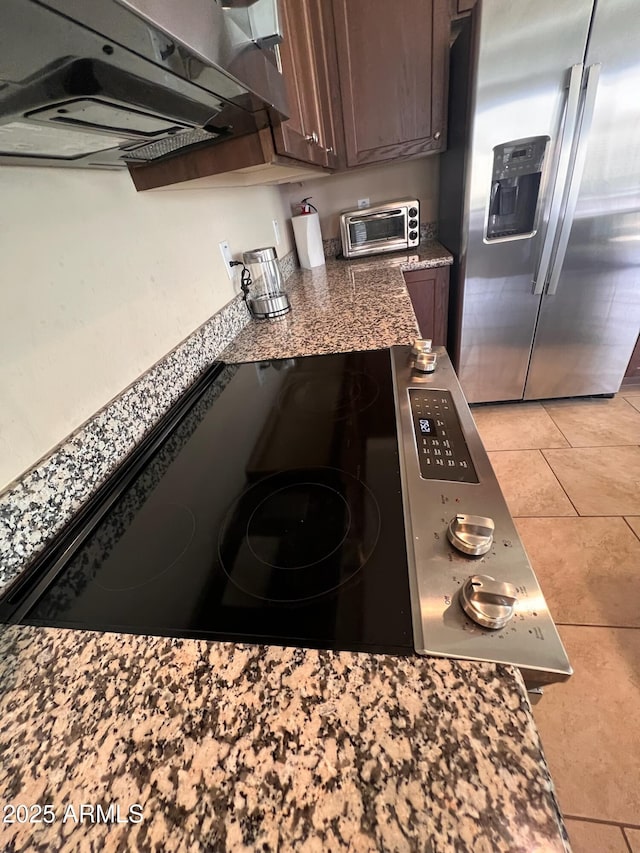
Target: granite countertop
column 237, row 747
column 342, row 306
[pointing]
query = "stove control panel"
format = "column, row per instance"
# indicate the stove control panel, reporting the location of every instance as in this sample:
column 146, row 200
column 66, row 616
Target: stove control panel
column 474, row 594
column 442, row 451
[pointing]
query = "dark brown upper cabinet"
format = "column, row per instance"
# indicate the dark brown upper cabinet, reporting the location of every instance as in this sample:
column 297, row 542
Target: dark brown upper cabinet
column 392, row 60
column 366, row 82
column 307, row 56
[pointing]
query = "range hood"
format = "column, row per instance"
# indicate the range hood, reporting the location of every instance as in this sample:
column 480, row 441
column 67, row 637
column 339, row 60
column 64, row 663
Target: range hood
column 117, row 82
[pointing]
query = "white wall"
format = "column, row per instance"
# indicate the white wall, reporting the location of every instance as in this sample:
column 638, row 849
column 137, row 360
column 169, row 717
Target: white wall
column 409, row 179
column 98, row 282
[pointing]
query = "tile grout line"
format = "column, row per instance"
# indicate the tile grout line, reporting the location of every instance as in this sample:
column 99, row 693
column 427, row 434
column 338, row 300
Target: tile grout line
column 570, row 447
column 590, row 515
column 550, row 416
column 635, row 532
column 624, row 835
column 558, row 481
column 563, row 488
column 516, row 449
column 591, row 446
column 597, row 625
column 604, row 515
column 566, row 516
column 540, row 451
column 620, row 823
column 631, row 406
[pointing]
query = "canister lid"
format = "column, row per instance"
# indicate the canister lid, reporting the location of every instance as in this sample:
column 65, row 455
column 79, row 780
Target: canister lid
column 259, row 256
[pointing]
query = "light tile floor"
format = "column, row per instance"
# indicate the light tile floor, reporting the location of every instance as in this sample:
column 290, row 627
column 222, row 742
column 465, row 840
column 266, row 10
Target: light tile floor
column 570, row 472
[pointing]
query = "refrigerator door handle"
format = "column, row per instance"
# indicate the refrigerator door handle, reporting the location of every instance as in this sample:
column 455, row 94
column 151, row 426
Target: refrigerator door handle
column 589, row 102
column 564, row 159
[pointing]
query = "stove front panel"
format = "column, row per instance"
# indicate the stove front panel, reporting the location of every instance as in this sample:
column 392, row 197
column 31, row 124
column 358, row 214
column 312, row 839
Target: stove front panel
column 434, row 495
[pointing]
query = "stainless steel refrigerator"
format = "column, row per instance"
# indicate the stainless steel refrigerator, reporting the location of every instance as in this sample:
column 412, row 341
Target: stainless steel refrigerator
column 540, row 197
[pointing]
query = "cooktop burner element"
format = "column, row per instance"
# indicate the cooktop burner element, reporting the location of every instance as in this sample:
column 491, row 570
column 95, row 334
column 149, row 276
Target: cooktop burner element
column 167, row 531
column 299, row 534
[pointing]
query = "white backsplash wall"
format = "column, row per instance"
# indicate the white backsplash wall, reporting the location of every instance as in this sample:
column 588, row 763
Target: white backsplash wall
column 409, row 179
column 98, row 282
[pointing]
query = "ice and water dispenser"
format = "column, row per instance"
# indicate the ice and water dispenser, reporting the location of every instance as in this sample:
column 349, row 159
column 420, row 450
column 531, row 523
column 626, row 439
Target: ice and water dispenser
column 515, row 187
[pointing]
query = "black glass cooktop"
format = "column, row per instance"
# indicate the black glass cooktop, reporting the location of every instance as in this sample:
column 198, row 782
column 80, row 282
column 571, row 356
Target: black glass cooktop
column 271, row 512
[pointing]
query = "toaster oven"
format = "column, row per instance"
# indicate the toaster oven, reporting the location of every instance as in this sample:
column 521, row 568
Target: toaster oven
column 389, row 227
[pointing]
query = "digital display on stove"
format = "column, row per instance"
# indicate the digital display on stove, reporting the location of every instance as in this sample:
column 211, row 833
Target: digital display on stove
column 440, row 444
column 427, row 426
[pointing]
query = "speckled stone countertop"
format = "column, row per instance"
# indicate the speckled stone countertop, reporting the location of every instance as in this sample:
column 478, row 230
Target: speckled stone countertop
column 342, row 306
column 224, row 747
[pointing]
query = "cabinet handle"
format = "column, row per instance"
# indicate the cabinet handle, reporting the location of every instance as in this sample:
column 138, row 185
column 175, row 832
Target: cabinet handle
column 312, row 137
column 329, row 150
column 437, row 135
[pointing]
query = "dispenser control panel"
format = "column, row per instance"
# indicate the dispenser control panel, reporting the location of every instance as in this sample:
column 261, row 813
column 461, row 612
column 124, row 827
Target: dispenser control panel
column 519, row 157
column 515, row 187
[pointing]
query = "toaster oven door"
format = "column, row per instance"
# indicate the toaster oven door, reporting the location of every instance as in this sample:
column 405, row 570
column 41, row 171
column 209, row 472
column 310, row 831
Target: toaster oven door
column 368, row 234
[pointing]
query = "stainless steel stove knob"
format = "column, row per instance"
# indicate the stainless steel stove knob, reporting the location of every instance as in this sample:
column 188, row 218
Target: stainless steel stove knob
column 425, row 362
column 471, row 534
column 487, row 601
column 421, row 345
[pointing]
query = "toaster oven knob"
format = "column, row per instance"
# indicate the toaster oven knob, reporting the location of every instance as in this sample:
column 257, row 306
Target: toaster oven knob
column 471, row 534
column 487, row 601
column 413, row 235
column 413, row 212
column 421, row 345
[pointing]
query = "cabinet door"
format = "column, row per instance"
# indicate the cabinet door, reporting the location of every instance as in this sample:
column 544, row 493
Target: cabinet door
column 392, row 59
column 327, row 82
column 306, row 53
column 429, row 292
column 294, row 137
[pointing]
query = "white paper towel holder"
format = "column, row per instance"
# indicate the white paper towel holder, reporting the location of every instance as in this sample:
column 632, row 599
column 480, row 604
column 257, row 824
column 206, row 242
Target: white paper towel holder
column 308, row 237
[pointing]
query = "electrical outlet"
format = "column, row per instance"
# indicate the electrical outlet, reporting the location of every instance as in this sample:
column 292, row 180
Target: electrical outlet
column 276, row 230
column 225, row 251
column 363, row 202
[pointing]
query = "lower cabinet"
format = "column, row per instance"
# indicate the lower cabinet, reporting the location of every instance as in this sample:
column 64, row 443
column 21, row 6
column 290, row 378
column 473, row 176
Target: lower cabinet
column 429, row 292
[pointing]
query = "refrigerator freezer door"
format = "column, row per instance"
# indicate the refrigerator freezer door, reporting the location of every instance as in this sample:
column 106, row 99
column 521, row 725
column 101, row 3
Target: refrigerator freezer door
column 587, row 329
column 525, row 54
